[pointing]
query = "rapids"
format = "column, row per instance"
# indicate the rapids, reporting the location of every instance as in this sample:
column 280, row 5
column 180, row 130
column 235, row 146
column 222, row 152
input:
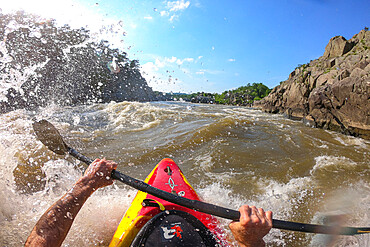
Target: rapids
column 231, row 156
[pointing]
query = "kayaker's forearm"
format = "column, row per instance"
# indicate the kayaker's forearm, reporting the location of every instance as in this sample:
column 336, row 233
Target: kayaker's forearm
column 54, row 224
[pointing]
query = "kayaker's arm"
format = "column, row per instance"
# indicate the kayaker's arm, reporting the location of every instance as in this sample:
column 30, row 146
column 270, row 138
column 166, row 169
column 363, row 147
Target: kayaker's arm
column 54, row 224
column 253, row 225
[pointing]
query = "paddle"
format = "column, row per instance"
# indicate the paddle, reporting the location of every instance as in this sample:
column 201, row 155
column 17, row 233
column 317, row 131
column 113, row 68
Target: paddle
column 50, row 137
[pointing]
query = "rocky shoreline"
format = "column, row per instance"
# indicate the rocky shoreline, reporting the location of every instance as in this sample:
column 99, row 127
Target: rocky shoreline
column 331, row 92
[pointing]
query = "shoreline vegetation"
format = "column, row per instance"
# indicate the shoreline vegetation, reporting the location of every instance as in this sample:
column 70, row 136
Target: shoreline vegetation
column 242, row 96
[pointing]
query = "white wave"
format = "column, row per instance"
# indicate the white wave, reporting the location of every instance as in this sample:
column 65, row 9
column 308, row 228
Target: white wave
column 282, row 199
column 97, row 220
column 332, row 163
column 349, row 141
column 99, row 217
column 323, row 146
column 345, row 207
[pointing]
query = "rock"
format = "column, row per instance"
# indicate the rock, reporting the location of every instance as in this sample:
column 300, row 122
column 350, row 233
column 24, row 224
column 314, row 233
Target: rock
column 338, row 46
column 343, row 107
column 367, row 69
column 326, row 78
column 331, row 92
column 357, row 72
column 343, row 74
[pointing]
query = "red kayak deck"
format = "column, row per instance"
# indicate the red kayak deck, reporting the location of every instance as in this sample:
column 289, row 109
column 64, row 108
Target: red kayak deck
column 166, row 176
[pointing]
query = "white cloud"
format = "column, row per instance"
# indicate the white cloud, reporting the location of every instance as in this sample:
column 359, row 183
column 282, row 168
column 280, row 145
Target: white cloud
column 168, row 61
column 164, row 13
column 160, row 73
column 178, row 5
column 149, row 67
column 160, row 80
column 173, row 17
column 189, row 59
column 171, row 60
column 211, row 72
column 159, row 63
column 152, row 75
column 148, row 18
column 180, row 62
column 173, row 8
column 231, row 60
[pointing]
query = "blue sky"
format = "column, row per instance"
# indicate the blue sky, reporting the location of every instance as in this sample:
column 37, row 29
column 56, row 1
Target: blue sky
column 213, row 46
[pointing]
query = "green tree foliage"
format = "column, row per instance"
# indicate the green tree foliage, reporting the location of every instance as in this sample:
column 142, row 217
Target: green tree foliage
column 243, row 95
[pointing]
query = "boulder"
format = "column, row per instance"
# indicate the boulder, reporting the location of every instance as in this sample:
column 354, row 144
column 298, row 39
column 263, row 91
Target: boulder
column 331, row 92
column 358, row 72
column 338, row 46
column 343, row 106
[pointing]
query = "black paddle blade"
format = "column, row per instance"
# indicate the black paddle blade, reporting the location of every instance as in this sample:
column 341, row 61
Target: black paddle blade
column 50, row 137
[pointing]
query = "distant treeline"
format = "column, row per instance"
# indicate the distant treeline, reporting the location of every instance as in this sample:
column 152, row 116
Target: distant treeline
column 244, row 95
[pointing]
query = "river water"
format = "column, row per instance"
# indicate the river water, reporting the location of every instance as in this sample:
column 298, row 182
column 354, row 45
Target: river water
column 231, row 156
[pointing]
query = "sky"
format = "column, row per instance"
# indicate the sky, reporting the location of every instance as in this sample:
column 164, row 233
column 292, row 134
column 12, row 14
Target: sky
column 210, row 45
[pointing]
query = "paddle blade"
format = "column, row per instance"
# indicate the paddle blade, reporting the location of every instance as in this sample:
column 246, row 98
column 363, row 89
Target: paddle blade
column 50, row 137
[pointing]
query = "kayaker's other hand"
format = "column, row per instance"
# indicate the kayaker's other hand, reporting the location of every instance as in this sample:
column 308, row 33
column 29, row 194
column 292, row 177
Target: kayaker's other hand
column 99, row 173
column 253, row 225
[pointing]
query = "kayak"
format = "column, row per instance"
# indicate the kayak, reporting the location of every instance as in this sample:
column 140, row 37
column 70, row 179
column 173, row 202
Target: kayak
column 150, row 221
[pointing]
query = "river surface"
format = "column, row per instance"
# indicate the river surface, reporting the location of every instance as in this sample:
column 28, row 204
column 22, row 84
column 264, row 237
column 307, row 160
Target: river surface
column 231, row 156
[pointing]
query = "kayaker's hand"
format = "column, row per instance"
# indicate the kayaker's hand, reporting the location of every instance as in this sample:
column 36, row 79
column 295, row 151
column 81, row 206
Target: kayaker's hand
column 99, row 173
column 253, row 225
column 54, row 224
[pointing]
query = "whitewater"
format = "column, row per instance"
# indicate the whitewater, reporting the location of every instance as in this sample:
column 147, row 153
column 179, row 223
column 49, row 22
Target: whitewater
column 231, row 155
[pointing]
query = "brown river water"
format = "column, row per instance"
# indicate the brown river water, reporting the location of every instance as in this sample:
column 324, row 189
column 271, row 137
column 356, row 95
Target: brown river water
column 231, row 156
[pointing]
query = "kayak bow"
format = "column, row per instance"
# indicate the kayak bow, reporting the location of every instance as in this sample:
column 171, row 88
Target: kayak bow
column 166, row 176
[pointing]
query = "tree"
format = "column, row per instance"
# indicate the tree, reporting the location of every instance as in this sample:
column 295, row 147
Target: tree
column 70, row 68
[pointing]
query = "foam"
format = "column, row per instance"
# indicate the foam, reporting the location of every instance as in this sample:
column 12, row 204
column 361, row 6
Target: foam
column 352, row 204
column 334, row 163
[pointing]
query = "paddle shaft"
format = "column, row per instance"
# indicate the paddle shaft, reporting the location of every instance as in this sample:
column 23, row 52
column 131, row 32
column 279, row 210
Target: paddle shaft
column 217, row 210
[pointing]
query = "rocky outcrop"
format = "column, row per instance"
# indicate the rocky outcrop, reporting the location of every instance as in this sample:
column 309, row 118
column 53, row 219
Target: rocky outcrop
column 331, row 92
column 337, row 46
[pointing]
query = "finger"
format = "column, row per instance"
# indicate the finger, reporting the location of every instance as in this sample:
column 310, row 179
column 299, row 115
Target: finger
column 255, row 216
column 245, row 212
column 262, row 216
column 247, row 209
column 269, row 218
column 114, row 165
column 254, row 211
